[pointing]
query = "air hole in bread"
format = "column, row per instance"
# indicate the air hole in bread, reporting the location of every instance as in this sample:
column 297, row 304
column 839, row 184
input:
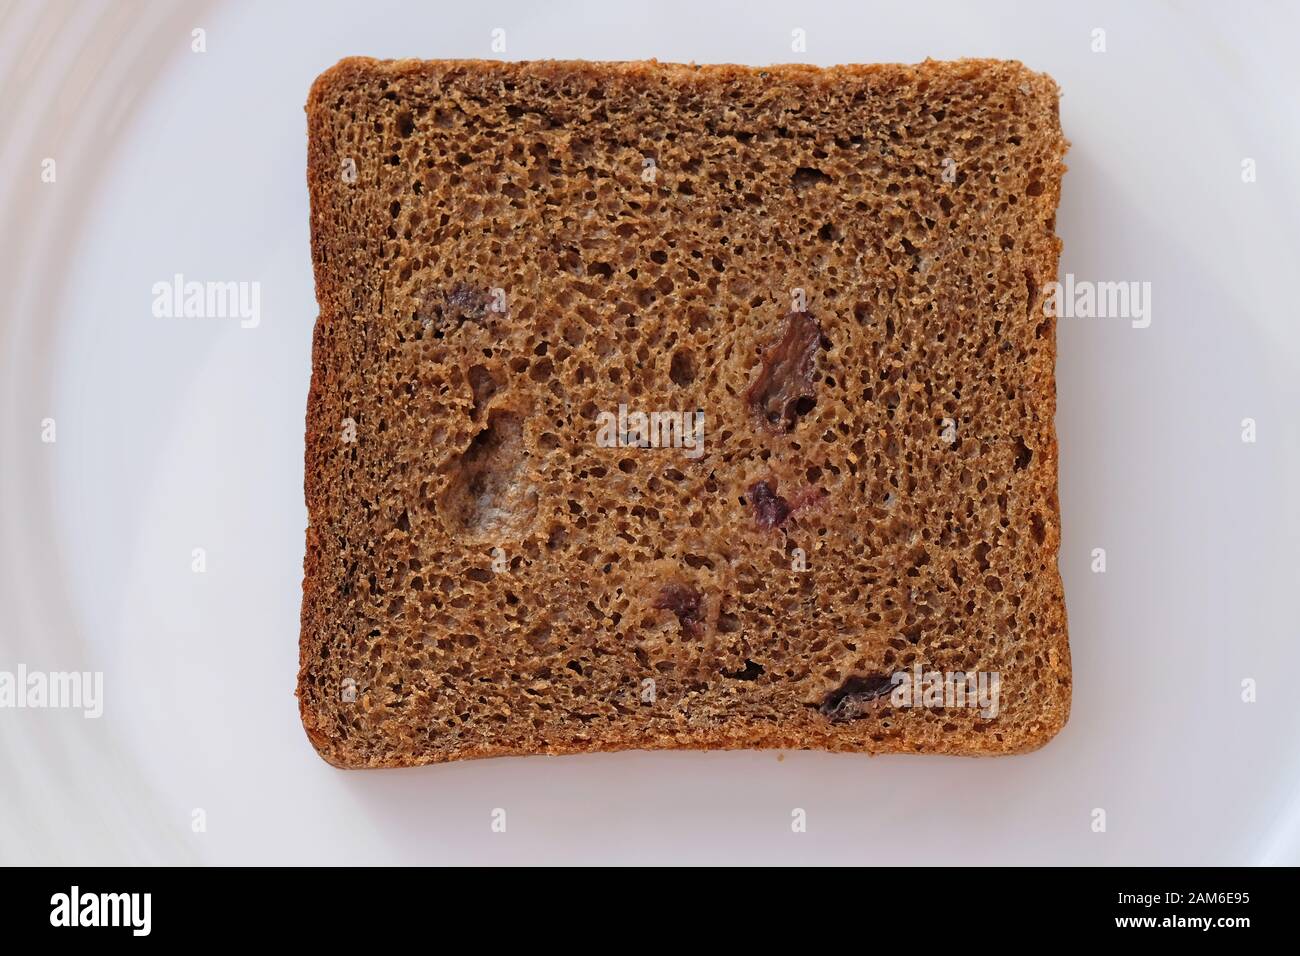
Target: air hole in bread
column 488, row 494
column 805, row 177
column 682, row 368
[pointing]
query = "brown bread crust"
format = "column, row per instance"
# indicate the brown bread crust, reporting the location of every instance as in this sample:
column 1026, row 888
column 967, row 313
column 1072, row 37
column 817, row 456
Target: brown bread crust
column 475, row 428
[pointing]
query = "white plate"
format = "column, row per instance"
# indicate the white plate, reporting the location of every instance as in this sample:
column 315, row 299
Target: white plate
column 174, row 435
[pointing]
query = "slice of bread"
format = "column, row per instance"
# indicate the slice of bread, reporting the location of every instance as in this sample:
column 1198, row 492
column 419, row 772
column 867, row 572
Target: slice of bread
column 822, row 288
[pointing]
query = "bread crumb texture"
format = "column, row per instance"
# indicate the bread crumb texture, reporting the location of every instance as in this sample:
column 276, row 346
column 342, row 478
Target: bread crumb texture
column 842, row 269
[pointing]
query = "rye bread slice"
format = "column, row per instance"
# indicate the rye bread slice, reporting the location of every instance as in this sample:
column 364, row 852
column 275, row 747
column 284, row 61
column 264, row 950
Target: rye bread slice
column 841, row 269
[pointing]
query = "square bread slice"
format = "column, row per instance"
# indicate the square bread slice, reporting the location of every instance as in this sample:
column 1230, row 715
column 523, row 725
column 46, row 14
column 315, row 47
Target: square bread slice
column 681, row 406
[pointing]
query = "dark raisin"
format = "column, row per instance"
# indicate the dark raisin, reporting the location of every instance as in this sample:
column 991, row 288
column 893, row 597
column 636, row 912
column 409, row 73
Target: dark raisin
column 770, row 509
column 466, row 303
column 685, row 602
column 783, row 390
column 808, row 497
column 854, row 697
column 751, row 671
column 447, row 309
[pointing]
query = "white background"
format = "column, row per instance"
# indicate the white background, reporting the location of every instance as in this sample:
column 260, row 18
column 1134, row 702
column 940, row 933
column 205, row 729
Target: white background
column 176, row 434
